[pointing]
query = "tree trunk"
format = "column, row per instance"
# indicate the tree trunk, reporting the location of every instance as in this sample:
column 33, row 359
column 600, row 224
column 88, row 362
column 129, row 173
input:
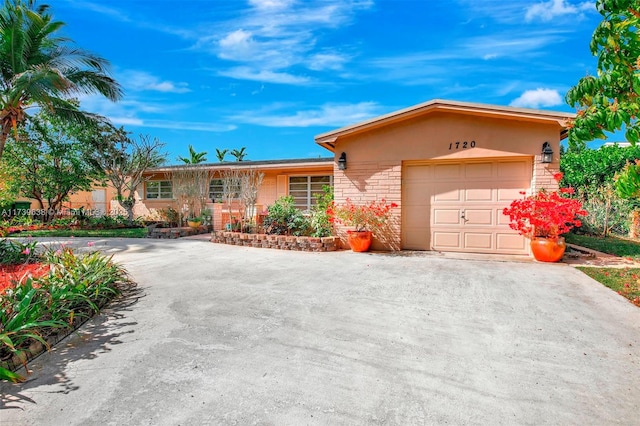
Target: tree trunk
column 634, row 225
column 4, row 136
column 606, row 217
column 128, row 204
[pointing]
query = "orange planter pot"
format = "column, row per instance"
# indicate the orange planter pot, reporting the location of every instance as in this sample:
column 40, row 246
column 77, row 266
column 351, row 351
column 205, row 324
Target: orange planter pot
column 548, row 249
column 359, row 241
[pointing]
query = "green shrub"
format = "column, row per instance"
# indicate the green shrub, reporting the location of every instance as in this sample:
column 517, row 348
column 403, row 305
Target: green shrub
column 608, row 213
column 319, row 218
column 590, row 169
column 76, row 287
column 284, row 218
column 15, row 252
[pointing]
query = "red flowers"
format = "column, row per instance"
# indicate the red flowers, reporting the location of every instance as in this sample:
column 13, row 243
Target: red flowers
column 370, row 217
column 545, row 214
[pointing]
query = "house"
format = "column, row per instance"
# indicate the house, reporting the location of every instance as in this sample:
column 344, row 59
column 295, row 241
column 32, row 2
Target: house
column 300, row 178
column 451, row 167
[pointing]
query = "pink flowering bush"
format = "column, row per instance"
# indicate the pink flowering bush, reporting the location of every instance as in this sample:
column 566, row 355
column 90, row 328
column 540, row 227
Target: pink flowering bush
column 545, row 213
column 364, row 217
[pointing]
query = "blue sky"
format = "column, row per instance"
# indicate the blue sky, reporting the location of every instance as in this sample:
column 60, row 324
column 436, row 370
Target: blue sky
column 269, row 75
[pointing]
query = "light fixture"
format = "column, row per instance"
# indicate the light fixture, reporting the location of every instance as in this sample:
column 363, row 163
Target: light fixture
column 342, row 161
column 547, row 153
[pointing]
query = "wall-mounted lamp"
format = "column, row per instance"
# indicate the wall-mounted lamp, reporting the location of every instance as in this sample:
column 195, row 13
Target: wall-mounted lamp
column 342, row 161
column 547, row 153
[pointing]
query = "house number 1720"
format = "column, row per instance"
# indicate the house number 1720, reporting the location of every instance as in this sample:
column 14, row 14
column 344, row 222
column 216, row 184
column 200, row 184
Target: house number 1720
column 462, row 145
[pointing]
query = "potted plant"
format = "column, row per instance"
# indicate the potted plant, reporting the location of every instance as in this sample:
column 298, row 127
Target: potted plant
column 366, row 220
column 544, row 217
column 194, row 221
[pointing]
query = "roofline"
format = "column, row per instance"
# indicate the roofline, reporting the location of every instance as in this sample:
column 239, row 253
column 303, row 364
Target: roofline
column 328, row 139
column 261, row 164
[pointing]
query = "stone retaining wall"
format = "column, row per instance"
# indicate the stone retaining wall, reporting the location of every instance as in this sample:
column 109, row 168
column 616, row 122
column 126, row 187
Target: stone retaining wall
column 173, row 233
column 282, row 242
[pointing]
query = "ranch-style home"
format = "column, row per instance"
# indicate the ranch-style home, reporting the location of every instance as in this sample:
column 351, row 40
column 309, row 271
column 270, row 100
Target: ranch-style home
column 451, row 167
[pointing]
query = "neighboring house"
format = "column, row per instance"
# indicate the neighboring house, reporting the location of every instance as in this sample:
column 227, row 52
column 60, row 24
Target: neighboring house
column 451, row 167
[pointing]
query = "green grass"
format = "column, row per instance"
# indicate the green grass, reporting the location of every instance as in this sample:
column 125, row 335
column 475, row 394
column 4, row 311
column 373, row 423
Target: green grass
column 625, row 282
column 612, row 245
column 118, row 232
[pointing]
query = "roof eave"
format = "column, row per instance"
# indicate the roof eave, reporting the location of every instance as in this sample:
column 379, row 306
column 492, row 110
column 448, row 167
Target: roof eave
column 328, row 139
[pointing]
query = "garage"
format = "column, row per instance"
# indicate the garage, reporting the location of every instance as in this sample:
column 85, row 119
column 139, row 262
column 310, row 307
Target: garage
column 457, row 206
column 451, row 167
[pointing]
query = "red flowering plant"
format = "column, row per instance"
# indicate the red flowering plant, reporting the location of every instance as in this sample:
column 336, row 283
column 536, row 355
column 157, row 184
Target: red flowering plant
column 547, row 214
column 368, row 217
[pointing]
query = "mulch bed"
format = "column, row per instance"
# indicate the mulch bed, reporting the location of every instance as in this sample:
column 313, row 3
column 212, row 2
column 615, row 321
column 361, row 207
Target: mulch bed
column 11, row 274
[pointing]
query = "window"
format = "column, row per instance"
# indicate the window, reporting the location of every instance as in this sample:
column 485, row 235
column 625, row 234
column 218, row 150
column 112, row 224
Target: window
column 159, row 189
column 304, row 188
column 216, row 190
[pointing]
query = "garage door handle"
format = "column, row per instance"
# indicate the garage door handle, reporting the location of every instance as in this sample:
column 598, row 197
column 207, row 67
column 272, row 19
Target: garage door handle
column 462, row 216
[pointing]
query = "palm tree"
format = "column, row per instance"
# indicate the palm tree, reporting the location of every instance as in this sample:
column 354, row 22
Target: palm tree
column 40, row 68
column 194, row 157
column 221, row 153
column 239, row 153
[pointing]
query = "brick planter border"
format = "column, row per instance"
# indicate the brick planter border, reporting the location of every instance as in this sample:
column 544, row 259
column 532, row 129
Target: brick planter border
column 281, row 242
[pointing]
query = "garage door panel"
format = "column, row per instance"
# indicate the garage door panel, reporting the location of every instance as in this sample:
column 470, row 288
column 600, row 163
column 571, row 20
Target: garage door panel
column 448, row 171
column 479, row 194
column 478, row 170
column 417, row 240
column 419, row 196
column 502, row 220
column 475, row 217
column 510, row 194
column 448, row 194
column 478, row 240
column 417, row 173
column 510, row 243
column 515, row 170
column 446, row 217
column 417, row 219
column 446, row 240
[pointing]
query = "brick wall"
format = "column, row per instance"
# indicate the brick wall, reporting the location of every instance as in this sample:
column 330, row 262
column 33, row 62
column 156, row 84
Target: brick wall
column 364, row 182
column 543, row 175
column 281, row 242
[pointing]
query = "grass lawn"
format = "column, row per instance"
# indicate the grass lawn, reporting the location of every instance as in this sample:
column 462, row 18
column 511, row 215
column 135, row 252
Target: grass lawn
column 118, row 232
column 625, row 281
column 613, row 245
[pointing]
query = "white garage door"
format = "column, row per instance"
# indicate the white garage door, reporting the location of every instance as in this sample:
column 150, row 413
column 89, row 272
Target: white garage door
column 458, row 206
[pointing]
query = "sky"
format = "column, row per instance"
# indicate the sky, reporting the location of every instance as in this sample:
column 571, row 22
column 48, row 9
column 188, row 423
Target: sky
column 269, row 75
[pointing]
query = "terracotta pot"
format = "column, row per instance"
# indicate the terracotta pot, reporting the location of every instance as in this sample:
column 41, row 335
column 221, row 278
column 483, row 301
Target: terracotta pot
column 548, row 249
column 359, row 241
column 194, row 223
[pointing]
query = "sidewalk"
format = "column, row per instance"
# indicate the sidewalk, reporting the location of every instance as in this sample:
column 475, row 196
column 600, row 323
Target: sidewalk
column 598, row 259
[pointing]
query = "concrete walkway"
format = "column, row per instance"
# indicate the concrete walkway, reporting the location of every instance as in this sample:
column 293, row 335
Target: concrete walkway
column 237, row 335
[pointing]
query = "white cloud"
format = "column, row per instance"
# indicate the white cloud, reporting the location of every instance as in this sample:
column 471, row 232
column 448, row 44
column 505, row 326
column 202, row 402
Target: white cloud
column 326, row 115
column 237, row 45
column 274, row 36
column 186, row 125
column 270, row 4
column 326, row 61
column 141, row 81
column 126, row 121
column 548, row 10
column 538, row 98
column 264, row 76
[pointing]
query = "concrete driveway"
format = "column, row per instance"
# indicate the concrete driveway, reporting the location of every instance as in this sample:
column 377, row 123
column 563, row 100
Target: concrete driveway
column 236, row 335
